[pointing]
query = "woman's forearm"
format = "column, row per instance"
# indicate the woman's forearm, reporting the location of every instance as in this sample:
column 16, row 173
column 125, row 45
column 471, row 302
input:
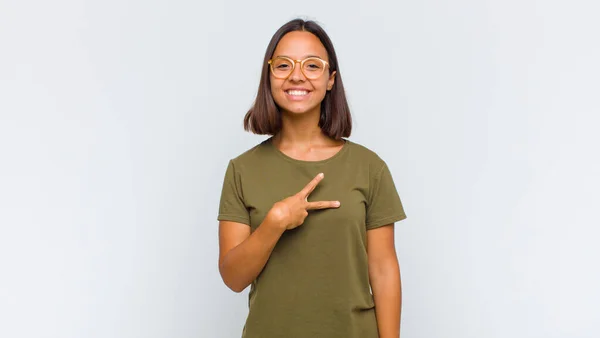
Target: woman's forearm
column 242, row 264
column 387, row 293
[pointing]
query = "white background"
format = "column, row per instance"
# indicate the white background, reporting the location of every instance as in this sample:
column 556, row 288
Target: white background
column 117, row 119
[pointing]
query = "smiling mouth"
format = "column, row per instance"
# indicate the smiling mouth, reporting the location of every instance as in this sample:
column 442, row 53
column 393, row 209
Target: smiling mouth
column 297, row 93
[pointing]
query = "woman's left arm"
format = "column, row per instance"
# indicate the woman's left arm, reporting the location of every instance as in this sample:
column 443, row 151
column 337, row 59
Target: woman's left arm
column 384, row 275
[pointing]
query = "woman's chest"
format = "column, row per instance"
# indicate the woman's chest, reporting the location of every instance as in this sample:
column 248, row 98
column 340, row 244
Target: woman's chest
column 263, row 189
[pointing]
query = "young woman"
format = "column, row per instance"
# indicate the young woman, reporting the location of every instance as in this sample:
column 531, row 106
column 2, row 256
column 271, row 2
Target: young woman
column 307, row 216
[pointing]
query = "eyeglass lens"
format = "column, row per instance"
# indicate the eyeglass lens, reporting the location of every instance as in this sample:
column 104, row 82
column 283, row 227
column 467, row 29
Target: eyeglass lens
column 312, row 67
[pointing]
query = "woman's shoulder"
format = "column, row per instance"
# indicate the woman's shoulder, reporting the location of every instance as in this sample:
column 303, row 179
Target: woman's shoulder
column 366, row 155
column 252, row 154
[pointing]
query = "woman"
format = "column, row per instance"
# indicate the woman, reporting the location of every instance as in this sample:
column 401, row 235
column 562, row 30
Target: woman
column 306, row 216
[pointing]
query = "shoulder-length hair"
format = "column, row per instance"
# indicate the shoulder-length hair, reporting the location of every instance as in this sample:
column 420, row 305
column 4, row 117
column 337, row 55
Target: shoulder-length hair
column 264, row 117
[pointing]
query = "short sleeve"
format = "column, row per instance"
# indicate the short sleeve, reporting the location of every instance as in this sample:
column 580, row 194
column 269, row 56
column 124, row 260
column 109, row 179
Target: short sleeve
column 231, row 205
column 384, row 205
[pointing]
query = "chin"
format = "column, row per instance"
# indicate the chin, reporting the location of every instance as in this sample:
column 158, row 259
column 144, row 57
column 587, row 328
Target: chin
column 297, row 110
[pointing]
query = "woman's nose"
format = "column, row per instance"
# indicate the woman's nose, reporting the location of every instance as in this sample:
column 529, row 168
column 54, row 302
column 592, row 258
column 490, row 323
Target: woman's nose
column 297, row 74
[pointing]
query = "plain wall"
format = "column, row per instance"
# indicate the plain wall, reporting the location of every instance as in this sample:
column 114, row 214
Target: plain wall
column 117, row 119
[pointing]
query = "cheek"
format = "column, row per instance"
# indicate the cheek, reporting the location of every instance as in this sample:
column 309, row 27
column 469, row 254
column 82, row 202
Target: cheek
column 321, row 85
column 276, row 88
column 320, row 89
column 319, row 94
column 278, row 95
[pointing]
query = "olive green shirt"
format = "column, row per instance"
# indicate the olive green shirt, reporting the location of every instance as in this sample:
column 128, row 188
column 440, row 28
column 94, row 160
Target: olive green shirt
column 316, row 281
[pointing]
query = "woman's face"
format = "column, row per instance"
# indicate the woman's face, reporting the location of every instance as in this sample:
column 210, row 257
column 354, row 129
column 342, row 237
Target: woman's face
column 297, row 94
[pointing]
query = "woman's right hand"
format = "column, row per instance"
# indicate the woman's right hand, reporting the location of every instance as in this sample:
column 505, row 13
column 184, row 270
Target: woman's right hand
column 291, row 211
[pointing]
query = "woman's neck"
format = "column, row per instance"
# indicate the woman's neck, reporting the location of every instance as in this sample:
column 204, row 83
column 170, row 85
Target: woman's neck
column 301, row 129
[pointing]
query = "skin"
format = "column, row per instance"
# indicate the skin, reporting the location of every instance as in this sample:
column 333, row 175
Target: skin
column 243, row 255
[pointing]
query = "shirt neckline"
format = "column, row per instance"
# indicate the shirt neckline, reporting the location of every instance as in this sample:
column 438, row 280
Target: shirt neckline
column 281, row 154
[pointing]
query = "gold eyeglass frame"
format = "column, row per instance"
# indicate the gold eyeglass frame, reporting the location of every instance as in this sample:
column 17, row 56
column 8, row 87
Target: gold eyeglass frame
column 301, row 62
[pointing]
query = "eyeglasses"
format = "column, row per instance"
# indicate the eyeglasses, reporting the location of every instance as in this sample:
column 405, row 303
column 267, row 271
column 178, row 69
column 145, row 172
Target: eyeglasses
column 312, row 68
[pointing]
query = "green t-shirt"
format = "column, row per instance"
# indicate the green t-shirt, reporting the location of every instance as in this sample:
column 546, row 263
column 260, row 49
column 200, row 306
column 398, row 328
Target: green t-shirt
column 316, row 281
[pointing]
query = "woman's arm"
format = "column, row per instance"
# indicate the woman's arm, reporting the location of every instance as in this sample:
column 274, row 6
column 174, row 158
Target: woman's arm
column 242, row 255
column 384, row 275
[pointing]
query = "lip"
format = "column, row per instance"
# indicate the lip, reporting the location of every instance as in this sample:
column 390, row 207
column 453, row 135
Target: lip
column 297, row 98
column 297, row 88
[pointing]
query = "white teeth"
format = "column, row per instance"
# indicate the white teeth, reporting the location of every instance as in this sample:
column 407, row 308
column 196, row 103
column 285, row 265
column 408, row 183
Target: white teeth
column 297, row 92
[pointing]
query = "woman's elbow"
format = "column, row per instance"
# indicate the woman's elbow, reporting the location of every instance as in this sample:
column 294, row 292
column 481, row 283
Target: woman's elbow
column 230, row 282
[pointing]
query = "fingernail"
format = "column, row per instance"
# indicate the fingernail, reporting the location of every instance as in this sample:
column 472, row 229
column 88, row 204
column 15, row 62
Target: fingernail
column 336, row 203
column 321, row 175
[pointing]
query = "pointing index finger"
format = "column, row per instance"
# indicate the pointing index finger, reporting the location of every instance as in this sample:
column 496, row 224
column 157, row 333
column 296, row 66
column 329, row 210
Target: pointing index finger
column 311, row 185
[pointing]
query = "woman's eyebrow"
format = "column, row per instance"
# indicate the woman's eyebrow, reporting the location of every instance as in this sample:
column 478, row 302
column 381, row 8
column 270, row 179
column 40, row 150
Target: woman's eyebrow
column 306, row 56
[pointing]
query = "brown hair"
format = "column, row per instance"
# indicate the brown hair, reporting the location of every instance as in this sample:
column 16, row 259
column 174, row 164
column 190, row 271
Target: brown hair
column 264, row 116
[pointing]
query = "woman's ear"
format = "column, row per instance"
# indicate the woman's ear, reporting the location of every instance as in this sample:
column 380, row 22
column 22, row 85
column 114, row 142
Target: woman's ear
column 331, row 80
